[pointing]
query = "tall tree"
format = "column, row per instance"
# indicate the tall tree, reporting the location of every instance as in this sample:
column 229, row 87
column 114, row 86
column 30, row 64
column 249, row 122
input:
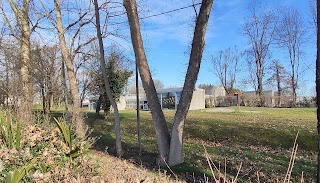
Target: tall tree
column 279, row 76
column 44, row 72
column 160, row 125
column 106, row 80
column 260, row 29
column 77, row 117
column 225, row 65
column 291, row 35
column 176, row 151
column 117, row 76
column 25, row 98
column 167, row 146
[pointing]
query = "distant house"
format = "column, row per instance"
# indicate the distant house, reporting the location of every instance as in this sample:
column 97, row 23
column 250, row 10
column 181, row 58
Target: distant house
column 216, row 91
column 212, row 93
column 131, row 102
column 250, row 98
column 93, row 103
column 169, row 99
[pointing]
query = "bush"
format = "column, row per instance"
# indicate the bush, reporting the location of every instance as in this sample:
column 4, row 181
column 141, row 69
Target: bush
column 44, row 154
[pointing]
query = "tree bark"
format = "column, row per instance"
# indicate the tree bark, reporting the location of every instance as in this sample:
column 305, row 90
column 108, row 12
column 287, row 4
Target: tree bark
column 176, row 144
column 24, row 108
column 106, row 82
column 77, row 117
column 65, row 88
column 98, row 105
column 160, row 125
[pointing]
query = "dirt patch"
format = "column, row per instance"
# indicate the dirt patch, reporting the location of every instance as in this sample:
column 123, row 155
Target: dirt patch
column 251, row 111
column 221, row 110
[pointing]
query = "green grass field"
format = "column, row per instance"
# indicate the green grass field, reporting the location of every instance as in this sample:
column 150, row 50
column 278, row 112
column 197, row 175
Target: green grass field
column 261, row 139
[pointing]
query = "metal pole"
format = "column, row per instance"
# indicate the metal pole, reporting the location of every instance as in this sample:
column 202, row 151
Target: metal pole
column 238, row 101
column 138, row 109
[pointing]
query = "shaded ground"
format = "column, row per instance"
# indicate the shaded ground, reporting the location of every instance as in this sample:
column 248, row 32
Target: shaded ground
column 113, row 169
column 261, row 140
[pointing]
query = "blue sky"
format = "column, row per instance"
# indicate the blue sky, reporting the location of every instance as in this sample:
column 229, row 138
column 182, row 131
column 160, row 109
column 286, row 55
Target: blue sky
column 167, row 40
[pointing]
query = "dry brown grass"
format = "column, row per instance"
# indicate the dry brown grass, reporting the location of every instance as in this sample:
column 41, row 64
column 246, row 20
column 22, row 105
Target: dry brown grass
column 112, row 169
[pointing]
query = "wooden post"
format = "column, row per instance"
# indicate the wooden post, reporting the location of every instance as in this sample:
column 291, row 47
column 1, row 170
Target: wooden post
column 238, row 93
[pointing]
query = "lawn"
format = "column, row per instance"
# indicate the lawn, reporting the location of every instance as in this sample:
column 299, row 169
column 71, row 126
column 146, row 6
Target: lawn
column 260, row 138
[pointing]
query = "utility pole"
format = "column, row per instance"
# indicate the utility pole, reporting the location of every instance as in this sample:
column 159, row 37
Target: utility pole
column 138, row 109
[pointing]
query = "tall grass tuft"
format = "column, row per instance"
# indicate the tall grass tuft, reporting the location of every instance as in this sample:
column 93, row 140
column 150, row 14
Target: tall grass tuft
column 10, row 132
column 221, row 176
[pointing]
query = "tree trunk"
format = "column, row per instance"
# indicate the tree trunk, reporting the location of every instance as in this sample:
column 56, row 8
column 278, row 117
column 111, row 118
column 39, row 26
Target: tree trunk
column 77, row 118
column 98, row 105
column 24, row 107
column 43, row 100
column 318, row 87
column 106, row 83
column 278, row 85
column 176, row 144
column 65, row 88
column 160, row 125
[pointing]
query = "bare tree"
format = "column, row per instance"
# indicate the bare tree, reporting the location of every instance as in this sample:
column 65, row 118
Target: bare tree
column 21, row 14
column 260, row 30
column 77, row 114
column 45, row 72
column 69, row 53
column 225, row 65
column 10, row 70
column 160, row 125
column 291, row 35
column 166, row 145
column 158, row 84
column 84, row 84
column 313, row 10
column 279, row 76
column 106, row 82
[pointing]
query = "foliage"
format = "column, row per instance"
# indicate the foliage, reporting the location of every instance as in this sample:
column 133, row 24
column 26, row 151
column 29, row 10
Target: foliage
column 10, row 132
column 46, row 157
column 66, row 131
column 17, row 175
column 118, row 78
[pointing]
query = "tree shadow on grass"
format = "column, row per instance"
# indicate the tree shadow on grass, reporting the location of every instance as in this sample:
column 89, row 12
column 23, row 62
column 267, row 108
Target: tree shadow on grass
column 104, row 130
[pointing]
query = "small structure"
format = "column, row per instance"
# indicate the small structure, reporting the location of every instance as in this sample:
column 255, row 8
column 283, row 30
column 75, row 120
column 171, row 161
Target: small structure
column 93, row 103
column 213, row 96
column 250, row 98
column 85, row 103
column 131, row 102
column 170, row 97
column 216, row 91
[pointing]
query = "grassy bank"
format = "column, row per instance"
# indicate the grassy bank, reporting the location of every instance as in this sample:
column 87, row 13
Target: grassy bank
column 260, row 138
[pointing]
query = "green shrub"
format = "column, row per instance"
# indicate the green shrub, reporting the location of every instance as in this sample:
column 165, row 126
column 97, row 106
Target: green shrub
column 66, row 131
column 17, row 175
column 10, row 133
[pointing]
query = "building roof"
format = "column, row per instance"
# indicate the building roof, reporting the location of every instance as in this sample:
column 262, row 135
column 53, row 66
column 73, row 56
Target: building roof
column 172, row 90
column 168, row 90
